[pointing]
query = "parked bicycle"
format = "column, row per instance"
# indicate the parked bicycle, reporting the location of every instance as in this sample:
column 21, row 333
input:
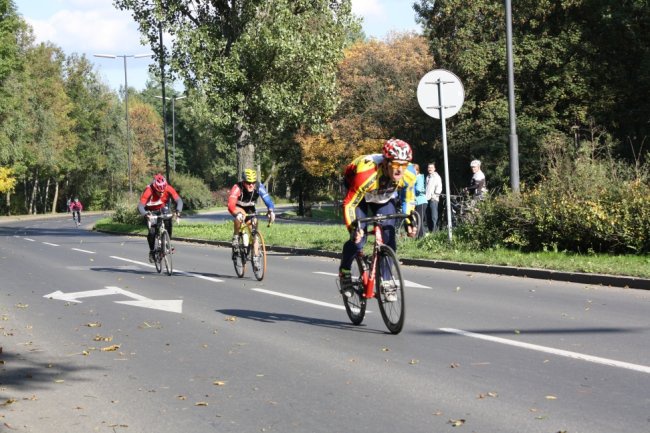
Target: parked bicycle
column 163, row 248
column 401, row 227
column 377, row 276
column 462, row 207
column 251, row 246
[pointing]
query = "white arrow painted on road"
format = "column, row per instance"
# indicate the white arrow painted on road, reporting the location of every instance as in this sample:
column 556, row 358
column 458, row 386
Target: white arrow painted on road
column 173, row 306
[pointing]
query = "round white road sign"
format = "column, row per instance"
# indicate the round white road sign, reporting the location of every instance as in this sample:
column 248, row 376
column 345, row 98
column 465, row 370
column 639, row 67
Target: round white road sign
column 437, row 82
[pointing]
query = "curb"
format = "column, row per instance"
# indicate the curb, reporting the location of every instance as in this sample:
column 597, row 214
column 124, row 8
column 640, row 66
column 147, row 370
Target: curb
column 541, row 274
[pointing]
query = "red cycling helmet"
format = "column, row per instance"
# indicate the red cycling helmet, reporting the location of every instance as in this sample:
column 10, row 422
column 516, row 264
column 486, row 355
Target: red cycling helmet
column 159, row 182
column 397, row 149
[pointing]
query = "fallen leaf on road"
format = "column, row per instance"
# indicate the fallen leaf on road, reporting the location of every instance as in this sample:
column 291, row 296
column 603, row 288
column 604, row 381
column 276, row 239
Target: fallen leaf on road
column 111, row 348
column 456, row 422
column 201, row 403
column 94, row 325
column 22, row 305
column 231, row 319
column 100, row 338
column 182, row 397
column 551, row 397
column 414, row 362
column 454, row 365
column 8, row 402
column 219, row 383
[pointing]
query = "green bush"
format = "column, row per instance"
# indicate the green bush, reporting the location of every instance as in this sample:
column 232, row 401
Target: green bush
column 126, row 211
column 194, row 192
column 585, row 204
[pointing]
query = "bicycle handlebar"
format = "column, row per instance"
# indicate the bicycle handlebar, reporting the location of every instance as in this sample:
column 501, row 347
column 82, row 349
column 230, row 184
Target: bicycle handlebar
column 378, row 218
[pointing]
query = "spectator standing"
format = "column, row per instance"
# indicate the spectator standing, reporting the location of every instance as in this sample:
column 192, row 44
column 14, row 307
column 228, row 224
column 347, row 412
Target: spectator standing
column 432, row 191
column 420, row 199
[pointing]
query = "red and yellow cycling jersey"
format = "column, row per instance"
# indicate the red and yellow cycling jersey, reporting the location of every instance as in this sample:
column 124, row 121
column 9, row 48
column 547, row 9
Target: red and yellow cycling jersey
column 366, row 180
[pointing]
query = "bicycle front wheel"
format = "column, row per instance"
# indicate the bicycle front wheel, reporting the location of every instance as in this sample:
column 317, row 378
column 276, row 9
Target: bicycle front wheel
column 239, row 257
column 390, row 290
column 258, row 256
column 355, row 305
column 166, row 249
column 157, row 254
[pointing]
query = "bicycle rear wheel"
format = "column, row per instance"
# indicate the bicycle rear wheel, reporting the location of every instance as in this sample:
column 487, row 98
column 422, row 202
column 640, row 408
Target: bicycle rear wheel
column 239, row 257
column 258, row 256
column 166, row 252
column 355, row 305
column 390, row 290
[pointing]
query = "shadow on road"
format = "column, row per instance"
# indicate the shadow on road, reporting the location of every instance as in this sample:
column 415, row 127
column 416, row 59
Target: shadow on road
column 266, row 317
column 25, row 373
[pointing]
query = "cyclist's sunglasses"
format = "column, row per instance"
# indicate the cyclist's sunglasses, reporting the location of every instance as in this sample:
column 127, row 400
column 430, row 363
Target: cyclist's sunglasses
column 399, row 164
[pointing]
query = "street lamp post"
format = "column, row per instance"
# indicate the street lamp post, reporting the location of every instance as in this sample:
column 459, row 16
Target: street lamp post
column 174, row 99
column 126, row 104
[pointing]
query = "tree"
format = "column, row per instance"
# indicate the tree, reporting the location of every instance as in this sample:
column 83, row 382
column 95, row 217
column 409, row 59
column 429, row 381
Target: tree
column 265, row 67
column 566, row 54
column 377, row 82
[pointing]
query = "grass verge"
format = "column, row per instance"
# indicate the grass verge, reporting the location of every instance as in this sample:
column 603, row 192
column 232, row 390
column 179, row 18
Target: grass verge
column 435, row 247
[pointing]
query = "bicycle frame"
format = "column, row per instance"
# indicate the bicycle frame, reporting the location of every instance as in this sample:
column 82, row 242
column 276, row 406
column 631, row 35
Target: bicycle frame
column 370, row 271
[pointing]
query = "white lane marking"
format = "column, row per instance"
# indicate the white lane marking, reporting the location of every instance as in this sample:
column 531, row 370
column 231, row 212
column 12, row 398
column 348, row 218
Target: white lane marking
column 559, row 352
column 54, row 245
column 171, row 305
column 29, row 239
column 407, row 283
column 299, row 298
column 176, row 271
column 83, row 251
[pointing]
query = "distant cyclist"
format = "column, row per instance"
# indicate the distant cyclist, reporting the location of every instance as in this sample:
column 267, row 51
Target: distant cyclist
column 242, row 198
column 155, row 200
column 76, row 207
column 375, row 184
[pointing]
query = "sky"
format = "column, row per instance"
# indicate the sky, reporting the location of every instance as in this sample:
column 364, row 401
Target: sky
column 96, row 27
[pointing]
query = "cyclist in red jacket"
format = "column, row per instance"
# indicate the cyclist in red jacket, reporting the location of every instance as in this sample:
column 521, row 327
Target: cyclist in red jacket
column 76, row 207
column 155, row 200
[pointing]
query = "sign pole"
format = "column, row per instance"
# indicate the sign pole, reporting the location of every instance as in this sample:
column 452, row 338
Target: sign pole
column 440, row 84
column 434, row 101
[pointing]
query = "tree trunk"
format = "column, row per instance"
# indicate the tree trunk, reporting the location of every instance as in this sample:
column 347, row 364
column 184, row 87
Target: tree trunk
column 55, row 200
column 32, row 199
column 8, row 202
column 245, row 150
column 46, row 195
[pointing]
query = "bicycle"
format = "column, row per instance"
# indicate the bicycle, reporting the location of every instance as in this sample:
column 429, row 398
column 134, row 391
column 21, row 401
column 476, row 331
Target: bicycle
column 250, row 245
column 377, row 276
column 163, row 249
column 461, row 209
column 76, row 217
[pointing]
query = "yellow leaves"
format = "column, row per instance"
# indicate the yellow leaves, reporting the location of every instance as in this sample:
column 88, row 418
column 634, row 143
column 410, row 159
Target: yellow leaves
column 230, row 319
column 7, row 181
column 550, row 397
column 8, row 402
column 487, row 394
column 219, row 383
column 111, row 348
column 22, row 306
column 414, row 362
column 201, row 403
column 94, row 325
column 100, row 338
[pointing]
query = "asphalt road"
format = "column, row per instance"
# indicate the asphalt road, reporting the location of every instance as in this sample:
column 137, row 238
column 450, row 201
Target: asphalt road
column 93, row 339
